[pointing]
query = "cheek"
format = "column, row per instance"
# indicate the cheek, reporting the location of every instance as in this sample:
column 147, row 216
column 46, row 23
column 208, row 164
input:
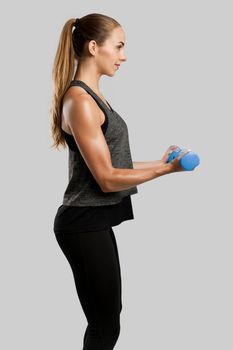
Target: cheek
column 108, row 55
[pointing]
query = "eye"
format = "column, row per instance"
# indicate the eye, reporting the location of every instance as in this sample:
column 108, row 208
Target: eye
column 119, row 47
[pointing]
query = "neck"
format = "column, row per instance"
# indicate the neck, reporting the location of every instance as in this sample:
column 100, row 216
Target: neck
column 87, row 73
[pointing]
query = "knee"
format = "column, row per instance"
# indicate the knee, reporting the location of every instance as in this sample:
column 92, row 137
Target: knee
column 116, row 331
column 102, row 337
column 111, row 334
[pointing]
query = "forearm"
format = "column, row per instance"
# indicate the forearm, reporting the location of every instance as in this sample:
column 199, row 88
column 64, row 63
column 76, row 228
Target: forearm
column 121, row 179
column 144, row 165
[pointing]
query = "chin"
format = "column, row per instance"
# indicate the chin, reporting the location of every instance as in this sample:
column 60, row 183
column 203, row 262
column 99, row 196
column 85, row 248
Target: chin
column 110, row 74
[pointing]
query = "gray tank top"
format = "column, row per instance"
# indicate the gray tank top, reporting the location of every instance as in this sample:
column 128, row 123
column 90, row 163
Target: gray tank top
column 82, row 188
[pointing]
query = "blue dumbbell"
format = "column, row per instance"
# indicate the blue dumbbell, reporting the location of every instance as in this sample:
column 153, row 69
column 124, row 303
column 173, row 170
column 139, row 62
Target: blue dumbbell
column 188, row 162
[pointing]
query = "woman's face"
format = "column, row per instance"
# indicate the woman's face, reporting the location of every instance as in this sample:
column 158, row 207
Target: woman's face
column 111, row 53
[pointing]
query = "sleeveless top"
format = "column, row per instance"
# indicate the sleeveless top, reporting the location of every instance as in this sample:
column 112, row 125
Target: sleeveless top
column 104, row 211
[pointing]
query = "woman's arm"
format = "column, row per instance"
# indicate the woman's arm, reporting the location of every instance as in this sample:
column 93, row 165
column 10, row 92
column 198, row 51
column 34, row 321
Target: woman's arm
column 144, row 165
column 118, row 179
column 88, row 135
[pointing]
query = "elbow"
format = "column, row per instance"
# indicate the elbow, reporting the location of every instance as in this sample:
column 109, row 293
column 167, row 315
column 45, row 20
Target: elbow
column 106, row 183
column 105, row 187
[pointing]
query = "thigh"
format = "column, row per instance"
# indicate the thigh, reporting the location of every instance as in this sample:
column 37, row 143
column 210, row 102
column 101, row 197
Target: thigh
column 95, row 265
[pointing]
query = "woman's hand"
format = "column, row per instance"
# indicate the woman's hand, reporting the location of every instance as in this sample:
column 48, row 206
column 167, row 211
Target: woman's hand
column 174, row 165
column 169, row 150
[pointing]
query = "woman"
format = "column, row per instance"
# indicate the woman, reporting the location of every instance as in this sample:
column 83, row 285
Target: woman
column 102, row 175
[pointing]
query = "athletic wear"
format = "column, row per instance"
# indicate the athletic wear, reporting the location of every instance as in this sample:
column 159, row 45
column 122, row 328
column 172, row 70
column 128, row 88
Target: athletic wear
column 74, row 218
column 94, row 260
column 83, row 189
column 83, row 231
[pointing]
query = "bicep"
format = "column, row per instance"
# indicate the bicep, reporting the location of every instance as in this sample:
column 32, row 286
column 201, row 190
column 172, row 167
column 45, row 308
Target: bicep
column 88, row 135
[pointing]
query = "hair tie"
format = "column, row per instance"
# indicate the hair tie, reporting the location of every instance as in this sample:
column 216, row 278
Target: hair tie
column 76, row 22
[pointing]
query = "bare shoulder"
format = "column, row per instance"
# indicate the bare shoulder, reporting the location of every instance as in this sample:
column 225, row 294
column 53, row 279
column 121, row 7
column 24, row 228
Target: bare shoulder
column 76, row 96
column 78, row 102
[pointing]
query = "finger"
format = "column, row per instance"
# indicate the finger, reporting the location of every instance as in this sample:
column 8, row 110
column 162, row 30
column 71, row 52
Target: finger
column 183, row 153
column 173, row 147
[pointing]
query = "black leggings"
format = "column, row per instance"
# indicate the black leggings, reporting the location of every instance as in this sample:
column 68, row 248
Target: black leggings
column 94, row 260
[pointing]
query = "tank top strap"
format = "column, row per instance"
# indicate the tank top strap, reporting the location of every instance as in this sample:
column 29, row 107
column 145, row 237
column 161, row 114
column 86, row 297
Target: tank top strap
column 99, row 101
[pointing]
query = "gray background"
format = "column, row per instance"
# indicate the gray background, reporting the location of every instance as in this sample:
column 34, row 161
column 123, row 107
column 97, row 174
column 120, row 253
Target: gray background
column 176, row 256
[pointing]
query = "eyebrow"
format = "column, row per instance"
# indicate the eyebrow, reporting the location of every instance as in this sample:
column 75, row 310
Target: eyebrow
column 122, row 43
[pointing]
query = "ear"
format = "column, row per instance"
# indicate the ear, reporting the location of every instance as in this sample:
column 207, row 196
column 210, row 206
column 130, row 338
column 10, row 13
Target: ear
column 92, row 47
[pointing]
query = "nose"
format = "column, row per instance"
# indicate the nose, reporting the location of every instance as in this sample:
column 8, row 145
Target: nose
column 123, row 59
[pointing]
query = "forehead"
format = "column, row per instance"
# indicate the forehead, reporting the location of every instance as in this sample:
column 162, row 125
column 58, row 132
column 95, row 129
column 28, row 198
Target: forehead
column 117, row 35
